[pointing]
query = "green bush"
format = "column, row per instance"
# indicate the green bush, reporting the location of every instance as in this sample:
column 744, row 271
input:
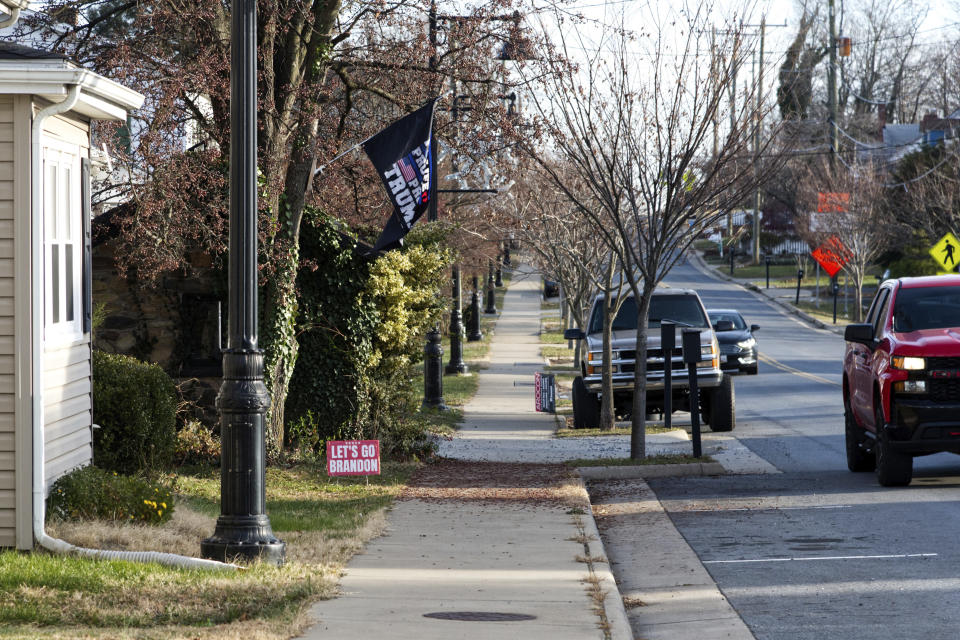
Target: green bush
column 362, row 325
column 335, row 327
column 197, row 444
column 135, row 405
column 94, row 494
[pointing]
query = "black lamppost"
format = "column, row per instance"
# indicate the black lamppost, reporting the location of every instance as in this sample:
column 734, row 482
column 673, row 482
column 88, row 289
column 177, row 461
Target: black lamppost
column 433, row 372
column 499, row 279
column 473, row 329
column 456, row 364
column 491, row 292
column 243, row 528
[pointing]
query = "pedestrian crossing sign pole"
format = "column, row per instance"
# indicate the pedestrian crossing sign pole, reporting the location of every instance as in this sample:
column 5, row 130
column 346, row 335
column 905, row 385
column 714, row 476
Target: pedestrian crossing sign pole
column 947, row 253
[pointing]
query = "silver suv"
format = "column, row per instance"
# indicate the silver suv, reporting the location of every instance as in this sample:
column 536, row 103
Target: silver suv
column 684, row 308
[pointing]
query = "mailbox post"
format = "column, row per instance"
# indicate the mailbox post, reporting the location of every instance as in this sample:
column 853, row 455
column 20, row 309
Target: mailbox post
column 668, row 342
column 835, row 289
column 799, row 279
column 691, row 356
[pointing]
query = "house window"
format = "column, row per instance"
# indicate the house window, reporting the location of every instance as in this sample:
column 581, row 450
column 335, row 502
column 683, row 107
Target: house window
column 62, row 233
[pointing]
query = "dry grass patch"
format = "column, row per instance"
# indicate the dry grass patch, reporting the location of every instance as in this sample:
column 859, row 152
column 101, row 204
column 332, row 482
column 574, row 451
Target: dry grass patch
column 323, row 523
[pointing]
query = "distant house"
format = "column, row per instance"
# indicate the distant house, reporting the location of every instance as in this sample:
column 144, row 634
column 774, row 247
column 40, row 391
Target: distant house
column 935, row 129
column 47, row 105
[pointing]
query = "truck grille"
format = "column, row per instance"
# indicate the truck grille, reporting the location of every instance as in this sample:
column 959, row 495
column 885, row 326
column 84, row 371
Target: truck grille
column 944, row 390
column 678, row 365
column 943, row 363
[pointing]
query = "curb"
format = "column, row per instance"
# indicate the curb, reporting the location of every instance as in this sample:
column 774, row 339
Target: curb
column 703, row 267
column 652, row 471
column 613, row 607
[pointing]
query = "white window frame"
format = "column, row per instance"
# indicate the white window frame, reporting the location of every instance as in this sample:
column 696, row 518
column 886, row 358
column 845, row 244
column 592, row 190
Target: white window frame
column 62, row 227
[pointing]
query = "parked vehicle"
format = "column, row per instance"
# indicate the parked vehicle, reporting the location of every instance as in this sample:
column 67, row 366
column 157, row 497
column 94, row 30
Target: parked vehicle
column 683, row 307
column 901, row 377
column 551, row 289
column 738, row 346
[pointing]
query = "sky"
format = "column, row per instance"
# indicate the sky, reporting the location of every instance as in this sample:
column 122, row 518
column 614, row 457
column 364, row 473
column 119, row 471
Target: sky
column 781, row 19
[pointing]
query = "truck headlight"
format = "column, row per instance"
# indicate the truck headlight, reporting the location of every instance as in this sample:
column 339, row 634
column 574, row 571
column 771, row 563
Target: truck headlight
column 709, row 356
column 747, row 344
column 908, row 363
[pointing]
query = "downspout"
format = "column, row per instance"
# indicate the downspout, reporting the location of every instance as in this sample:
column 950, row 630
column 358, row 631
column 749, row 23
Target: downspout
column 36, row 346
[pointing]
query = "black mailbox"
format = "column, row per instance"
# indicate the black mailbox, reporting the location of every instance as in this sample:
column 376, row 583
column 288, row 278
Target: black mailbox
column 691, row 346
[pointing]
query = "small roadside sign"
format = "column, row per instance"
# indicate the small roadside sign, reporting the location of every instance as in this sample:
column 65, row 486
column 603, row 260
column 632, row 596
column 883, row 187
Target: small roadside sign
column 831, row 255
column 545, row 392
column 947, row 252
column 353, row 457
column 832, row 202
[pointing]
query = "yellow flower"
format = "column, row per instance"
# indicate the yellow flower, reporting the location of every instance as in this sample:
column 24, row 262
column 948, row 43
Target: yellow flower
column 163, row 504
column 146, row 502
column 160, row 513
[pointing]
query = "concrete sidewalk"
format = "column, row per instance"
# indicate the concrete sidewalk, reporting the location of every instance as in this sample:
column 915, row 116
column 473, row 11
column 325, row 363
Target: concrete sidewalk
column 476, row 556
column 511, row 568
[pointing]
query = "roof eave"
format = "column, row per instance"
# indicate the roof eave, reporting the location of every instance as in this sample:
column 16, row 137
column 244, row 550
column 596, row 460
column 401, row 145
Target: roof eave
column 100, row 98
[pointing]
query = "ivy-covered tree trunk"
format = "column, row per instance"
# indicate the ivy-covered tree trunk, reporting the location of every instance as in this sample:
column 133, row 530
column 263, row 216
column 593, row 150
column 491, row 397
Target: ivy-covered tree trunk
column 278, row 333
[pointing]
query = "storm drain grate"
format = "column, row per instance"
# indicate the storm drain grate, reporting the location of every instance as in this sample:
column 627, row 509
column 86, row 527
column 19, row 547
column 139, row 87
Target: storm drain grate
column 480, row 616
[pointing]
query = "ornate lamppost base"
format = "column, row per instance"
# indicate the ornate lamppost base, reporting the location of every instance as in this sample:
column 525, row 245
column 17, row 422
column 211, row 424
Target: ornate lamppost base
column 453, row 368
column 244, row 538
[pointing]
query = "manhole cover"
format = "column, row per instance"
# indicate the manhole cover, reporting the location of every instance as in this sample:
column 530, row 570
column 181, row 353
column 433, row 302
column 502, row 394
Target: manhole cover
column 480, row 616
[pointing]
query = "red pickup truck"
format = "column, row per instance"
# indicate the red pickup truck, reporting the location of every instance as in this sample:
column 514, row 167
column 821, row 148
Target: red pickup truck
column 901, row 377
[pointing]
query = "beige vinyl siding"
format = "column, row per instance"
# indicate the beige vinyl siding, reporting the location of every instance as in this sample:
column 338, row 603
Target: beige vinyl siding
column 19, row 228
column 67, row 382
column 67, row 407
column 7, row 342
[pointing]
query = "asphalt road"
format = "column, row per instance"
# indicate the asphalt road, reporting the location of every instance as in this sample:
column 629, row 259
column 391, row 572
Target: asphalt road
column 816, row 551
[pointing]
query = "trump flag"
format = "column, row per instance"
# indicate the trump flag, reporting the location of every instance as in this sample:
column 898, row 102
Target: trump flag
column 403, row 157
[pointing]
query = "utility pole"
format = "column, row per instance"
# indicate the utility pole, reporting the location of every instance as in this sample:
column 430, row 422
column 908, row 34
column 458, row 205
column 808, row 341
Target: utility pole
column 832, row 84
column 756, row 144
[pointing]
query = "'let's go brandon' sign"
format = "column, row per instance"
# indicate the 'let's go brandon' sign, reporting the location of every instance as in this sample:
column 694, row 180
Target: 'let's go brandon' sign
column 353, row 457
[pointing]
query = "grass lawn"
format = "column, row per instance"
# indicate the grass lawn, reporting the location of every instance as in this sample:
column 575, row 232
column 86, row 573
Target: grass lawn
column 626, row 462
column 552, row 337
column 323, row 522
column 824, row 313
column 556, row 352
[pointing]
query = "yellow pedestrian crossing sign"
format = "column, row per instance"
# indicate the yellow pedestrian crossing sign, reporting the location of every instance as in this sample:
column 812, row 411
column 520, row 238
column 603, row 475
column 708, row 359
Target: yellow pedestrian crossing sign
column 947, row 252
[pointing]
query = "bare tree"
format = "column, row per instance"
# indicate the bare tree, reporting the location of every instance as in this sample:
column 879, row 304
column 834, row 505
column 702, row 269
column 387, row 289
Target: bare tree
column 859, row 216
column 566, row 249
column 924, row 194
column 635, row 121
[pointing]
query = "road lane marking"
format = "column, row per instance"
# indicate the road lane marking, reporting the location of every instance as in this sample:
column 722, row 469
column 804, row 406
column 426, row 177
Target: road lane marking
column 724, row 509
column 803, row 374
column 874, row 557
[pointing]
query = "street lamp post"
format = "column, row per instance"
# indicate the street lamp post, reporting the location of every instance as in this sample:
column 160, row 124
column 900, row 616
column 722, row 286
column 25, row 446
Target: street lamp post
column 491, row 294
column 456, row 364
column 474, row 326
column 243, row 529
